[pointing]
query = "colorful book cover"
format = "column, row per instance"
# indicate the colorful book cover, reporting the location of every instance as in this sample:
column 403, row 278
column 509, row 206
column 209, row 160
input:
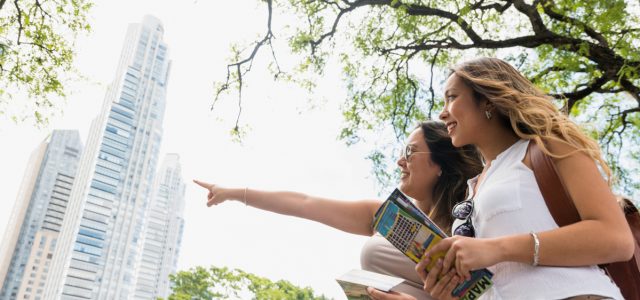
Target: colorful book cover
column 413, row 233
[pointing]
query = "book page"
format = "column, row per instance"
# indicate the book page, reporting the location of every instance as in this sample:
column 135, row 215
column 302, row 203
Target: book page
column 355, row 283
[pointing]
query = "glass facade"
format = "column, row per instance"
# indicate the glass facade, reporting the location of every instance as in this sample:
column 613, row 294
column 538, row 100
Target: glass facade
column 103, row 238
column 40, row 206
column 162, row 232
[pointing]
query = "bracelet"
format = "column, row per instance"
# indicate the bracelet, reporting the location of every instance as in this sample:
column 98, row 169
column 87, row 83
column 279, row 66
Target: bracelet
column 244, row 198
column 536, row 249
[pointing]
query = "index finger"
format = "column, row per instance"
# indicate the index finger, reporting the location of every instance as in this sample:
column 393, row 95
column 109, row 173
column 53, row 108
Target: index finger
column 203, row 184
column 442, row 246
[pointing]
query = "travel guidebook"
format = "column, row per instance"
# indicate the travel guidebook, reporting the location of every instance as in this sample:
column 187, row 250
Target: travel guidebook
column 413, row 233
column 355, row 283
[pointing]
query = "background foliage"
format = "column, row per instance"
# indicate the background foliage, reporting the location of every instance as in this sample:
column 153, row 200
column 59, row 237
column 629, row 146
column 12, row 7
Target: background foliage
column 36, row 55
column 222, row 283
column 394, row 56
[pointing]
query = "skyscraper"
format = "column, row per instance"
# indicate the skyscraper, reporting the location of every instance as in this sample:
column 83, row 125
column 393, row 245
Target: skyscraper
column 100, row 243
column 30, row 238
column 163, row 231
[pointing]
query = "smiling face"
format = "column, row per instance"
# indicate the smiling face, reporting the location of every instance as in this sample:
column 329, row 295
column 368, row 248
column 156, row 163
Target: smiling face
column 419, row 172
column 463, row 115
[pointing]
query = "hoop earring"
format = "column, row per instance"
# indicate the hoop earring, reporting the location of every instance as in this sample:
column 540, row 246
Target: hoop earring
column 488, row 114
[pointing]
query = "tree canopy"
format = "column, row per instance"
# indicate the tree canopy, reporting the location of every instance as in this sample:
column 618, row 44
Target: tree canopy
column 394, row 54
column 36, row 54
column 223, row 283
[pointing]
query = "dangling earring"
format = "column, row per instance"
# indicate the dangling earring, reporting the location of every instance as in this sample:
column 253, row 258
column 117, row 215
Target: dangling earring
column 439, row 173
column 488, row 114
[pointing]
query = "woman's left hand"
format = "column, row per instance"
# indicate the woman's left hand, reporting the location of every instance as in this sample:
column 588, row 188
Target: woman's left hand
column 466, row 254
column 440, row 286
column 380, row 295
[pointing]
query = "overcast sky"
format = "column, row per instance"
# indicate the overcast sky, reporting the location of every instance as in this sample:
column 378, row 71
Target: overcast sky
column 288, row 147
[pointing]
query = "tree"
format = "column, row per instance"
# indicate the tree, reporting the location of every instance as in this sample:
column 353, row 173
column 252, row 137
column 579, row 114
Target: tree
column 36, row 54
column 583, row 52
column 222, row 283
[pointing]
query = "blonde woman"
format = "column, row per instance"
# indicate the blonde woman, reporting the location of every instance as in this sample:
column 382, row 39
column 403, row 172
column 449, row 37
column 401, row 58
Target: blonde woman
column 433, row 174
column 504, row 225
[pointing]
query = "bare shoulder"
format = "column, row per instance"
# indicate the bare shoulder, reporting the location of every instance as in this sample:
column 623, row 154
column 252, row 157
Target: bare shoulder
column 561, row 148
column 567, row 158
column 558, row 148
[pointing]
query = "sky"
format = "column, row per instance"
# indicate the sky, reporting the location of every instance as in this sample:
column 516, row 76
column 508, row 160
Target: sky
column 288, row 145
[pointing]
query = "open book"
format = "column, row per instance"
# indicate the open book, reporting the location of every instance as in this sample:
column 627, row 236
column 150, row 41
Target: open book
column 355, row 283
column 413, row 233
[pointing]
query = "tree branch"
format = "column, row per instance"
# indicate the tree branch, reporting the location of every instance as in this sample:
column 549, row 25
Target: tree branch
column 19, row 18
column 554, row 69
column 573, row 97
column 534, row 17
column 631, row 88
column 548, row 9
column 433, row 94
column 238, row 66
column 315, row 43
column 421, row 10
column 495, row 6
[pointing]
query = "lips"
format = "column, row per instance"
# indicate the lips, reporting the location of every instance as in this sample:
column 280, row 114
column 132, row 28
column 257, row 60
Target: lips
column 451, row 126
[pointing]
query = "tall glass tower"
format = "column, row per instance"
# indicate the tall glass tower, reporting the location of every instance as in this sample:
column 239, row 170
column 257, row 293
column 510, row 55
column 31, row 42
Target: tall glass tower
column 29, row 240
column 100, row 240
column 163, row 232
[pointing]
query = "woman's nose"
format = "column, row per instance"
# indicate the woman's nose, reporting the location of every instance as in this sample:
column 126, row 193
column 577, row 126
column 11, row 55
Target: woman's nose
column 443, row 114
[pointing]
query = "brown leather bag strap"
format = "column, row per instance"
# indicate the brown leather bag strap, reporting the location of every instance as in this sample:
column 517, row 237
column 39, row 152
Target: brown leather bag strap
column 558, row 201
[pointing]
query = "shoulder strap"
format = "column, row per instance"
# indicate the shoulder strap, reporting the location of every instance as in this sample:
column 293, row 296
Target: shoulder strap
column 625, row 274
column 560, row 205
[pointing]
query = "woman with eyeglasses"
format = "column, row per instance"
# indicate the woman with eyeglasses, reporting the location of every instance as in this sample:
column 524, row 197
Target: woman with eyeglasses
column 433, row 174
column 505, row 225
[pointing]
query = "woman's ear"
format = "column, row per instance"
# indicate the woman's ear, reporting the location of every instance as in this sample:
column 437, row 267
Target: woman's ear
column 489, row 106
column 488, row 109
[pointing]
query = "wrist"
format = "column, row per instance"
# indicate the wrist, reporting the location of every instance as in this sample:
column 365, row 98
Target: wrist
column 232, row 194
column 502, row 249
column 516, row 248
column 239, row 194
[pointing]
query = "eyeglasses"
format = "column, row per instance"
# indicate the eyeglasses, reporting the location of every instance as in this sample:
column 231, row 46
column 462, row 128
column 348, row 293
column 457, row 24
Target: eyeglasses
column 407, row 151
column 463, row 211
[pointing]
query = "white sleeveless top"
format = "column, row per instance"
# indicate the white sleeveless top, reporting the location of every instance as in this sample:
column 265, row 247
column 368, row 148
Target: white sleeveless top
column 509, row 202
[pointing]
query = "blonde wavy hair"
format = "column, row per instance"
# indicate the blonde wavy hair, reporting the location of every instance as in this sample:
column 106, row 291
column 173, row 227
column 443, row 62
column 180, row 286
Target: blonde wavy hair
column 525, row 108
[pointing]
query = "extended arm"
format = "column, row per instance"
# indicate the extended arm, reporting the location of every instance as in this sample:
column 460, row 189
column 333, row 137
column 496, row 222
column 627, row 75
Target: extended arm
column 350, row 216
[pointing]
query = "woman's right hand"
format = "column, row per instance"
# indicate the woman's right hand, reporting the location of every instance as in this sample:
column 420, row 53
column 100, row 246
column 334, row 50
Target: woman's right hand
column 216, row 194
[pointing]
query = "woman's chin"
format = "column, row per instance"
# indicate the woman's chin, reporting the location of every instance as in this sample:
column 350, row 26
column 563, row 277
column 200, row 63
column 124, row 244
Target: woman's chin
column 404, row 189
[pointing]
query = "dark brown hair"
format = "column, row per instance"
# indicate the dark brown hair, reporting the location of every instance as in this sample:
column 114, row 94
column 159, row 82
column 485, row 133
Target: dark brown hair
column 457, row 165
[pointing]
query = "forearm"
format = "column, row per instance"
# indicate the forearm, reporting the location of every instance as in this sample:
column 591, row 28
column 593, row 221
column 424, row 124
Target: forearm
column 350, row 216
column 587, row 242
